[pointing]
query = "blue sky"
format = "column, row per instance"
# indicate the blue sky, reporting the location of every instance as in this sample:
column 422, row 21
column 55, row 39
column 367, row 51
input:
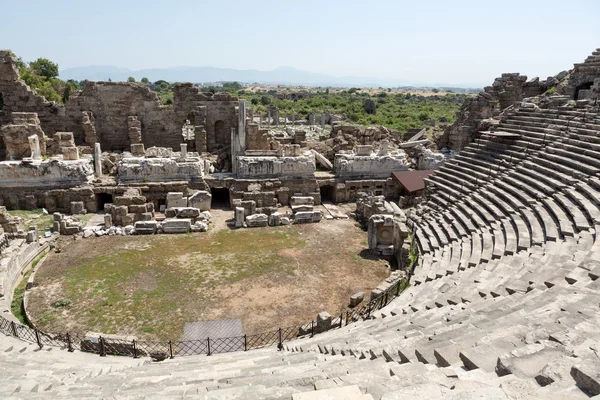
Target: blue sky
column 461, row 42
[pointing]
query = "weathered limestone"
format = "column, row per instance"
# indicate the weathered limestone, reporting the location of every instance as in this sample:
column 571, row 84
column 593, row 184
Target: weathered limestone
column 302, row 166
column 66, row 225
column 108, row 221
column 176, row 199
column 97, row 160
column 70, row 153
column 201, row 200
column 356, row 299
column 16, row 135
column 77, row 208
column 257, row 220
column 50, row 173
column 305, row 217
column 135, row 129
column 239, row 217
column 89, row 127
column 146, row 227
column 381, row 234
column 34, row 145
column 132, row 170
column 363, row 163
column 323, row 322
column 137, row 149
column 176, row 225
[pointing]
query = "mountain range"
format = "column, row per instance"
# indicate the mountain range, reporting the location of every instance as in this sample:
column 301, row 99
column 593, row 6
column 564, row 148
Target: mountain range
column 281, row 75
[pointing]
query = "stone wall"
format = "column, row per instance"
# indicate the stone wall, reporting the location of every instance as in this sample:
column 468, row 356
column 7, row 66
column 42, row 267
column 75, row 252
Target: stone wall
column 101, row 111
column 503, row 93
column 371, row 165
column 138, row 170
column 300, row 166
column 584, row 80
column 45, row 174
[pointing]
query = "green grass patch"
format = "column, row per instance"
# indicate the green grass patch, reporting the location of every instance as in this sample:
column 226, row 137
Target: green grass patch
column 16, row 306
column 35, row 218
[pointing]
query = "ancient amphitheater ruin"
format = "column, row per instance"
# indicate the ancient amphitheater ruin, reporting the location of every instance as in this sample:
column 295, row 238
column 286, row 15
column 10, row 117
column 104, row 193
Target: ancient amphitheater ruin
column 503, row 301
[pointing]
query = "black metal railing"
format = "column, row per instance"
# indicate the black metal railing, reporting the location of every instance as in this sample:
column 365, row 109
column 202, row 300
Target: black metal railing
column 163, row 350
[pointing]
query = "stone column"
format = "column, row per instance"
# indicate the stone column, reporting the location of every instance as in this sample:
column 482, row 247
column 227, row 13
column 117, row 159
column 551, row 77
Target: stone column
column 285, row 118
column 322, row 121
column 251, row 113
column 238, row 137
column 183, row 147
column 269, row 118
column 34, row 145
column 293, row 118
column 98, row 159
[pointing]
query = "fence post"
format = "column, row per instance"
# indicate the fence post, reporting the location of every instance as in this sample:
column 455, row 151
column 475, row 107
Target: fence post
column 69, row 343
column 170, row 349
column 245, row 342
column 312, row 328
column 102, row 349
column 385, row 300
column 14, row 329
column 341, row 318
column 135, row 353
column 280, row 345
column 398, row 289
column 37, row 338
column 347, row 315
column 208, row 346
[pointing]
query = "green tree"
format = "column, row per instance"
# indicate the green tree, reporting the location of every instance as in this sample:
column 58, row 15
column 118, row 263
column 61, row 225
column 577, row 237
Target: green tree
column 145, row 80
column 131, row 79
column 369, row 106
column 44, row 68
column 265, row 100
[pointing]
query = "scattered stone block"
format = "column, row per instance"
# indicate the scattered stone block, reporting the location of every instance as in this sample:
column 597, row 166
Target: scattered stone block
column 177, row 225
column 356, row 299
column 145, row 227
column 137, row 149
column 200, row 200
column 257, row 220
column 77, row 208
column 108, row 220
column 274, row 219
column 176, row 199
column 239, row 217
column 70, row 153
column 323, row 322
column 302, row 200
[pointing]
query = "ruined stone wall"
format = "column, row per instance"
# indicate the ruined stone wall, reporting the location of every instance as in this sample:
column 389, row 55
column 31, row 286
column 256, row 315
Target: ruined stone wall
column 55, row 200
column 582, row 78
column 256, row 138
column 504, row 92
column 348, row 190
column 110, row 105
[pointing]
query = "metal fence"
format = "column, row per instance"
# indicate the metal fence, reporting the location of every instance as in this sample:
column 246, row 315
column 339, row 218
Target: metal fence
column 162, row 350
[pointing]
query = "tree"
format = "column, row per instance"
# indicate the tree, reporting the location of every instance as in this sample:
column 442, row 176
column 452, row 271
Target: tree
column 44, row 68
column 144, row 80
column 131, row 79
column 265, row 100
column 254, row 101
column 369, row 106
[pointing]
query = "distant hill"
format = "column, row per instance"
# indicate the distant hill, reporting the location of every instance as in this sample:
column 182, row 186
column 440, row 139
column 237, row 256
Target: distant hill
column 281, row 75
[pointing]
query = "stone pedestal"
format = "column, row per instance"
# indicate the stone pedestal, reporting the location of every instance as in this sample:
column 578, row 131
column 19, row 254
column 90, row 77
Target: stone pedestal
column 137, row 149
column 323, row 322
column 239, row 217
column 108, row 220
column 183, row 147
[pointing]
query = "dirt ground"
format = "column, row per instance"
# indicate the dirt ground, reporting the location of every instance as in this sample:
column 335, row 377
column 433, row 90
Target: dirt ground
column 149, row 286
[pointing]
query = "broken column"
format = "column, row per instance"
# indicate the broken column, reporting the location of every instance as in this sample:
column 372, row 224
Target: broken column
column 183, row 147
column 239, row 217
column 98, row 160
column 34, row 145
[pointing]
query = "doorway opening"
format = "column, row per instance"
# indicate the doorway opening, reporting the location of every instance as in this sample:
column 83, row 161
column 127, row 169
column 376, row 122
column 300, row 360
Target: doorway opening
column 583, row 86
column 102, row 199
column 220, row 198
column 327, row 194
